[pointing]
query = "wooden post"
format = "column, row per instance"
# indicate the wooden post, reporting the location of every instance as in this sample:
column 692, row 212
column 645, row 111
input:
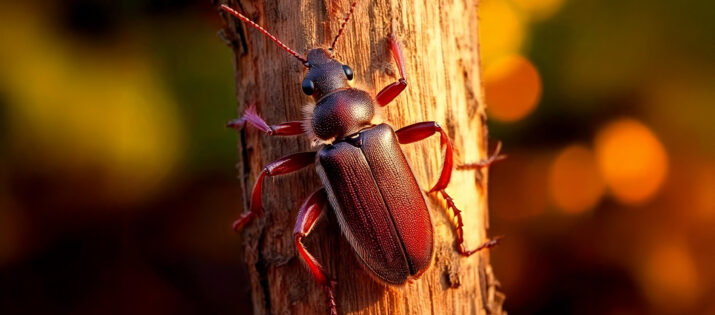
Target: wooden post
column 440, row 39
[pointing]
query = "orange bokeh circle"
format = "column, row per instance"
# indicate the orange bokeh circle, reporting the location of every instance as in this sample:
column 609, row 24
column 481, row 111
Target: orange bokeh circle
column 512, row 88
column 632, row 160
column 575, row 184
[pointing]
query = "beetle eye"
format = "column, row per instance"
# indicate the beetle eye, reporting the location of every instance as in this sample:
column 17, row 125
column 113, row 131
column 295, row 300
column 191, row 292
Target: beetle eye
column 308, row 87
column 348, row 72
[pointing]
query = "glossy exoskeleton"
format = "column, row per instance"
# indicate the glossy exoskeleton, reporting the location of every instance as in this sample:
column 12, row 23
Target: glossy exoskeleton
column 367, row 180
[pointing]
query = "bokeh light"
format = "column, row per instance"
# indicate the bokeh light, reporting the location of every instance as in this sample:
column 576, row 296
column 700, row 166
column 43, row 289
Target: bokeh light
column 633, row 115
column 512, row 88
column 117, row 184
column 575, row 184
column 670, row 279
column 632, row 160
column 114, row 116
column 501, row 30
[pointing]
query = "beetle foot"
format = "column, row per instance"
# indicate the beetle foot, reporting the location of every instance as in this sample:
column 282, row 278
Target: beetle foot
column 495, row 157
column 457, row 218
column 457, row 214
column 488, row 244
column 329, row 290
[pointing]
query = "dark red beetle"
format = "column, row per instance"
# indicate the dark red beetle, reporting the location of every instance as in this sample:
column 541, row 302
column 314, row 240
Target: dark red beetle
column 366, row 178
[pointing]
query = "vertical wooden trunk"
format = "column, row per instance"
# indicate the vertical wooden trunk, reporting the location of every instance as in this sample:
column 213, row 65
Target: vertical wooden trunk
column 442, row 61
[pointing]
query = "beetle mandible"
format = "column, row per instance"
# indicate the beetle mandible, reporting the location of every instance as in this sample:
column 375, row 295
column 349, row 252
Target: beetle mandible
column 367, row 180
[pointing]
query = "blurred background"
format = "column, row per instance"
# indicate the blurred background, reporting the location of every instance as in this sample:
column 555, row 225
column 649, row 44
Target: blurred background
column 117, row 186
column 607, row 199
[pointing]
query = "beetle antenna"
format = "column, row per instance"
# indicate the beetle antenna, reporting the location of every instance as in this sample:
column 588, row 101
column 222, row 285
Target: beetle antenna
column 342, row 27
column 266, row 33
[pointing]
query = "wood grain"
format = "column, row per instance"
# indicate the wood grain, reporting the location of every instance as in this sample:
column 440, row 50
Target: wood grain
column 440, row 39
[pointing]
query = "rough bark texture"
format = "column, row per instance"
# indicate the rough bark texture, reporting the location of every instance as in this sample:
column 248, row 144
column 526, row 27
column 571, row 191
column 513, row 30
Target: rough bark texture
column 440, row 41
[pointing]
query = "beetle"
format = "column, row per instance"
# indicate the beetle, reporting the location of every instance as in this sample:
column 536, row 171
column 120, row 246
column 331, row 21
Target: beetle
column 365, row 175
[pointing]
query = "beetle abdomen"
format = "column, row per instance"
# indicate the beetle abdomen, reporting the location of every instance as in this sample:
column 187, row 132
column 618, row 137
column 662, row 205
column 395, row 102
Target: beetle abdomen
column 378, row 203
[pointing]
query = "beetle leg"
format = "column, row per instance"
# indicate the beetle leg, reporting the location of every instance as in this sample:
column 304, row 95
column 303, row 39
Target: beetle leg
column 309, row 213
column 251, row 117
column 420, row 131
column 486, row 162
column 460, row 229
column 388, row 93
column 287, row 164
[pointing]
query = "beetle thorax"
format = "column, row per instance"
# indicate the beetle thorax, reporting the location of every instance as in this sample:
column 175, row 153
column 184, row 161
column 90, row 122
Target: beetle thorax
column 342, row 113
column 324, row 73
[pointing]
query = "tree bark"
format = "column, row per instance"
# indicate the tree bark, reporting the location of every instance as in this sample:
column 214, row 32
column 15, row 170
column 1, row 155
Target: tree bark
column 440, row 41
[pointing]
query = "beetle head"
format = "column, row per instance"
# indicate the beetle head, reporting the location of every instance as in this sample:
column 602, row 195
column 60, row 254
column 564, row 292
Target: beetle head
column 325, row 74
